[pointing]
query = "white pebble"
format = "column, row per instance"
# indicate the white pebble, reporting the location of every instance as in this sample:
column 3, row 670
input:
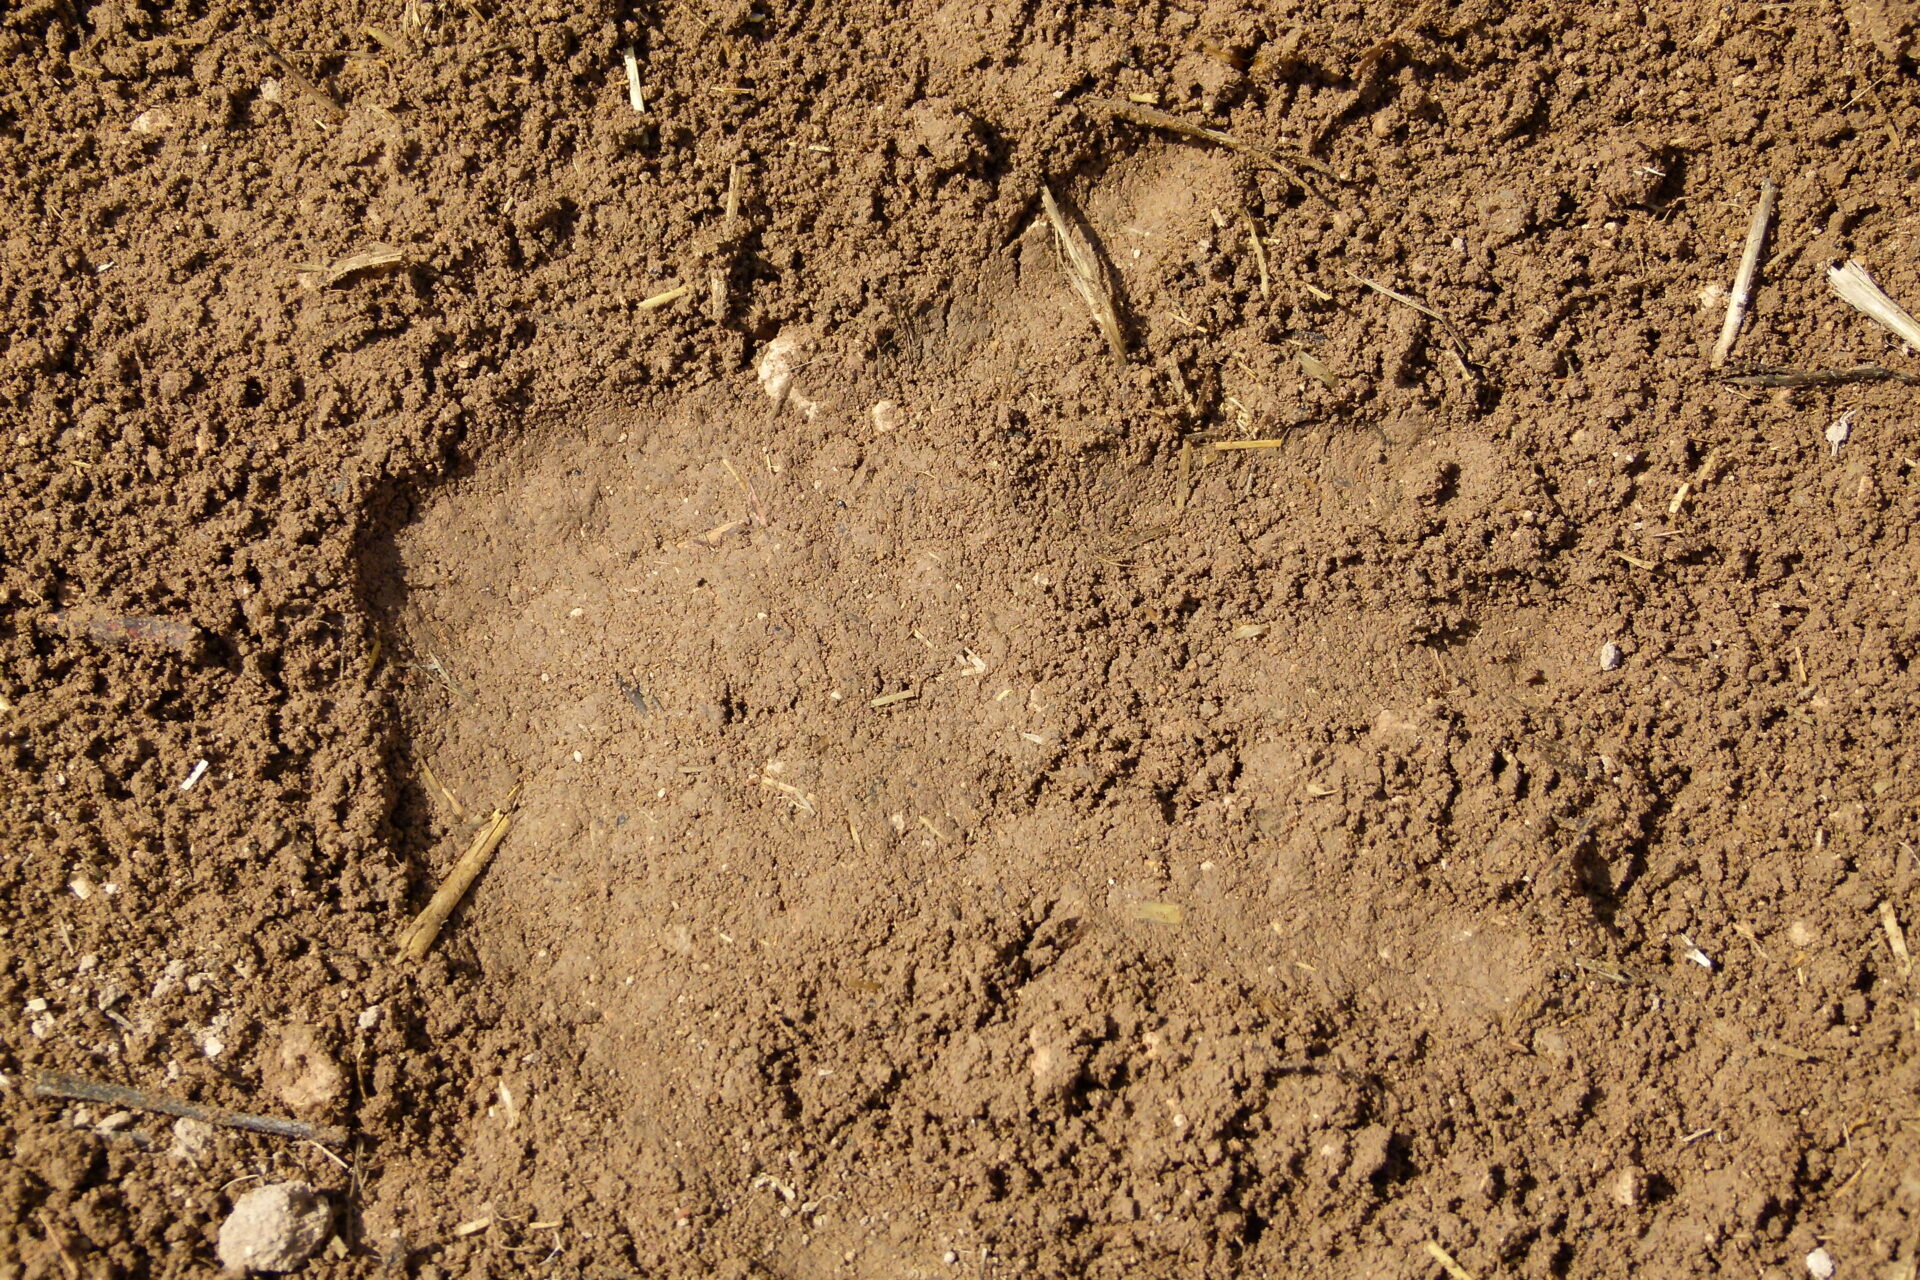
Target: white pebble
column 1611, row 657
column 1820, row 1264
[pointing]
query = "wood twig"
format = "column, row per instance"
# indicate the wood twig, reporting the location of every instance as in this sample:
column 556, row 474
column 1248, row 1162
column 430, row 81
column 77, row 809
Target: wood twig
column 1291, row 167
column 52, row 1084
column 1749, row 270
column 419, row 936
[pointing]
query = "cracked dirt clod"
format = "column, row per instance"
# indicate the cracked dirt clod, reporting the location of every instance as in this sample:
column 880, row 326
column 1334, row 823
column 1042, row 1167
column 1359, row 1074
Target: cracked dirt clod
column 274, row 1228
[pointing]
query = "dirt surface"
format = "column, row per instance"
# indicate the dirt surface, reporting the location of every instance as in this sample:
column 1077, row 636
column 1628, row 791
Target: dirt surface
column 965, row 821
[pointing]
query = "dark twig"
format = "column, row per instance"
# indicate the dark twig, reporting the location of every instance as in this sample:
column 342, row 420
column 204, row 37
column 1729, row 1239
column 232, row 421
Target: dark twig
column 1292, row 167
column 1818, row 377
column 51, row 1084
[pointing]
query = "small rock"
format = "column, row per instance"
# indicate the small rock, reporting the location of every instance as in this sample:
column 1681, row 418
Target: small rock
column 152, row 120
column 1611, row 657
column 779, row 361
column 888, row 416
column 1629, row 1189
column 1801, row 934
column 114, row 1123
column 274, row 1228
column 369, row 1018
column 1820, row 1265
column 192, row 1141
column 304, row 1074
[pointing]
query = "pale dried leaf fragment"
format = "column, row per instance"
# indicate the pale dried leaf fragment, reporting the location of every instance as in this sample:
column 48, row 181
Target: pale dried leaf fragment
column 1316, row 368
column 1085, row 272
column 369, row 258
column 1838, row 431
column 1858, row 290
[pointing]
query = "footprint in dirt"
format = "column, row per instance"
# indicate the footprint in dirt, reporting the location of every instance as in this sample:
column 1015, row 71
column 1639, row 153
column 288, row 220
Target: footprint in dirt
column 872, row 774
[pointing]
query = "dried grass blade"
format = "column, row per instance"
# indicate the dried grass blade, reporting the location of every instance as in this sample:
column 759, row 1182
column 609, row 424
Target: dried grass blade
column 1452, row 330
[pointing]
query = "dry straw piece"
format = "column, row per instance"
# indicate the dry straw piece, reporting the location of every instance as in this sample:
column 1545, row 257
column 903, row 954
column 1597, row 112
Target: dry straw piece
column 636, row 98
column 663, row 298
column 1447, row 1263
column 1462, row 352
column 1857, row 288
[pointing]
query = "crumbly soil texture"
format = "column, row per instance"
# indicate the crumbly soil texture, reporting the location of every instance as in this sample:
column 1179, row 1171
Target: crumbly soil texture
column 1115, row 640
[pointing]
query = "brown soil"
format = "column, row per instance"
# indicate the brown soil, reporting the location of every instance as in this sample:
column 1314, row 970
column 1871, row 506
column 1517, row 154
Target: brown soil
column 1266, row 874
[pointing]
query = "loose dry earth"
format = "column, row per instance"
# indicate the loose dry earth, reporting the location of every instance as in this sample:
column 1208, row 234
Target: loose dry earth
column 969, row 823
